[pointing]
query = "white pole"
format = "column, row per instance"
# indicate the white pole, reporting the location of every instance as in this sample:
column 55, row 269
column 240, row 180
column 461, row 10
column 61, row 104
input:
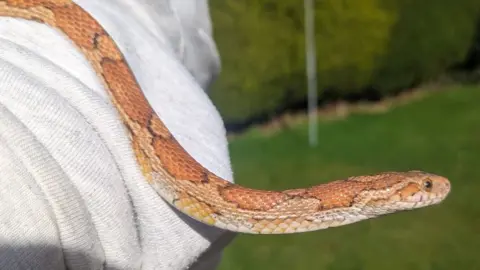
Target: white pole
column 310, row 53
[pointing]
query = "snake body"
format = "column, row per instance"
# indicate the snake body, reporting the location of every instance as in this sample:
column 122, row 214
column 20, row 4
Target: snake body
column 189, row 187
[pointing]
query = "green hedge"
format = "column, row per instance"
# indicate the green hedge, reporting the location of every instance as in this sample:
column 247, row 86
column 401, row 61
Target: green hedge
column 429, row 37
column 369, row 44
column 260, row 51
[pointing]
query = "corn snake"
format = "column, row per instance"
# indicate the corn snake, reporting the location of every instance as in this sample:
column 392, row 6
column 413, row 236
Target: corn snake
column 184, row 183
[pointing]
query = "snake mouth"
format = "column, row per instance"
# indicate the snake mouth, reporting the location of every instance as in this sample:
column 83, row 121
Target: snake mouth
column 418, row 200
column 423, row 199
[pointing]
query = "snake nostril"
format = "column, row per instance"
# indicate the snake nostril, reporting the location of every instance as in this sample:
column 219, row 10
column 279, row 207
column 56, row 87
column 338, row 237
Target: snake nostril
column 446, row 186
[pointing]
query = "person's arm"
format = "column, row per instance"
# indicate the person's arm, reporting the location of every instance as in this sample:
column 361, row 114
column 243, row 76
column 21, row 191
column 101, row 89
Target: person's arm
column 72, row 194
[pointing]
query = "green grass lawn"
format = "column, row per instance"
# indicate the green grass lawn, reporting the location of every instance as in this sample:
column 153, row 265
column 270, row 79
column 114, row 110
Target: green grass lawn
column 439, row 134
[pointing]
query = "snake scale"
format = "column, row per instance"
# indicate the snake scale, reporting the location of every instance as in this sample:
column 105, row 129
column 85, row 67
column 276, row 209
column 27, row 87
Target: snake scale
column 189, row 187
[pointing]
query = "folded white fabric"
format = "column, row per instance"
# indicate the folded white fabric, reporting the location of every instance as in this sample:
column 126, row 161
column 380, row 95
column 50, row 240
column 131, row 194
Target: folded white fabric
column 71, row 194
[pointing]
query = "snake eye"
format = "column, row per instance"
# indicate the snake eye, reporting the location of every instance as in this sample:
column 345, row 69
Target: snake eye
column 427, row 184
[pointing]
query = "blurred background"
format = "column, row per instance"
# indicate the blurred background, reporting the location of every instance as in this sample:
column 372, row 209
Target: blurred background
column 397, row 87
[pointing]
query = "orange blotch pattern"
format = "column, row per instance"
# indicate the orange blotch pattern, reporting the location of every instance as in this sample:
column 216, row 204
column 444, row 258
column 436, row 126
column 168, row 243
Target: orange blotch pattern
column 177, row 161
column 126, row 91
column 252, row 199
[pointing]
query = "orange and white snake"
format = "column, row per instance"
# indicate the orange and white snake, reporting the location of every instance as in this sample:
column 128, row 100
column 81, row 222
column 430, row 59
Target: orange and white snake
column 188, row 186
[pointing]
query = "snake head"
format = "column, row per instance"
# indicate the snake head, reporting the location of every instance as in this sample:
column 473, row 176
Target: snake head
column 413, row 189
column 423, row 189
